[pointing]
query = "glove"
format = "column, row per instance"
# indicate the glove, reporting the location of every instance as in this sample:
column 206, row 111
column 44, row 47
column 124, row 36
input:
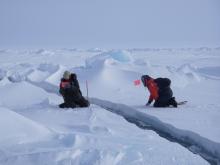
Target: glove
column 148, row 104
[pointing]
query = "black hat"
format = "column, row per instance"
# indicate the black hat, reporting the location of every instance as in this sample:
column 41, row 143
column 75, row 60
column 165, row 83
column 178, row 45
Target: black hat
column 145, row 78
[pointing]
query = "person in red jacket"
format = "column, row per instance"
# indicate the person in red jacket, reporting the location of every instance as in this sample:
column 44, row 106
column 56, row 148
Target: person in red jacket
column 160, row 91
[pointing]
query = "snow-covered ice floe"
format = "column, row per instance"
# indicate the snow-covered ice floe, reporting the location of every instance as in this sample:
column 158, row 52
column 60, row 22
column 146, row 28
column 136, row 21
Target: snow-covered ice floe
column 34, row 130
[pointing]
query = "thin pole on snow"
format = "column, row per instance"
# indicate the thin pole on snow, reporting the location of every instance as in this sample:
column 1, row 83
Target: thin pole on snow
column 87, row 94
column 87, row 90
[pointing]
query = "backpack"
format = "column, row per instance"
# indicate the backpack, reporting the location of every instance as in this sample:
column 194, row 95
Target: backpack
column 163, row 82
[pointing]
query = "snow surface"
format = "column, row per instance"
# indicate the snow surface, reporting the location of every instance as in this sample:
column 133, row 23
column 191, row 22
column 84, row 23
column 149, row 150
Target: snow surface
column 33, row 129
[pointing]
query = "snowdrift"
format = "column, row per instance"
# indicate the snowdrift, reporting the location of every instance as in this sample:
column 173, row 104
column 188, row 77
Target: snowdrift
column 16, row 129
column 21, row 95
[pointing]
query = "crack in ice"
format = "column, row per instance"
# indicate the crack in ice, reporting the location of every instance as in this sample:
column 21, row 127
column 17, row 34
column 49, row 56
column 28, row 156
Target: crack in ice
column 196, row 144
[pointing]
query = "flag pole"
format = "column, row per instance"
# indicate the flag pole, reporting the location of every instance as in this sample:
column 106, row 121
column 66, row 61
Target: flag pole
column 87, row 90
column 87, row 94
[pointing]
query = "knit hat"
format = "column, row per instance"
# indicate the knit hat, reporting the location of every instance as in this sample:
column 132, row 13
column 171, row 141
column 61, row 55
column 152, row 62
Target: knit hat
column 145, row 78
column 66, row 75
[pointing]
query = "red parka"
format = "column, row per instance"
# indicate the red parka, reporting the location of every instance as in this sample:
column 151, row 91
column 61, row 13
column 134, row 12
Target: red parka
column 153, row 89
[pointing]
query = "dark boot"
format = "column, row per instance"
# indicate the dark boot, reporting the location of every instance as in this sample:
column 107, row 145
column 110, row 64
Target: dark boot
column 173, row 102
column 63, row 105
column 67, row 105
column 83, row 102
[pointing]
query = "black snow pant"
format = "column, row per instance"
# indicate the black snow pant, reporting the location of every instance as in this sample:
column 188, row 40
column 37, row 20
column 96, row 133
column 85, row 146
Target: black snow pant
column 165, row 103
column 67, row 105
column 82, row 102
column 165, row 95
column 73, row 103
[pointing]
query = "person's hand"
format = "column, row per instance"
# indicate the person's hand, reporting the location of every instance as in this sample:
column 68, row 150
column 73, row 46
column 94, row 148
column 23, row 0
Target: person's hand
column 67, row 85
column 147, row 104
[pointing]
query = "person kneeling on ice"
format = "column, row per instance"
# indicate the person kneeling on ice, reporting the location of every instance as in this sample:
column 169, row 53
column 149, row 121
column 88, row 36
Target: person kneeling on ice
column 160, row 91
column 70, row 90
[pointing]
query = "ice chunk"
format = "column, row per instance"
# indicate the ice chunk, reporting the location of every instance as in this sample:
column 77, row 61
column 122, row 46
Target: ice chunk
column 120, row 55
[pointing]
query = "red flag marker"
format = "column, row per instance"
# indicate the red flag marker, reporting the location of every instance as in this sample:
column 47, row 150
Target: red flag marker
column 137, row 82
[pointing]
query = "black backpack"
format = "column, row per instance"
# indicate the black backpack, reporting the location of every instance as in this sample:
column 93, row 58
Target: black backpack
column 163, row 82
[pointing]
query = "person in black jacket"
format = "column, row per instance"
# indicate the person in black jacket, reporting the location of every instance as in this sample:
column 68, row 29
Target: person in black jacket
column 70, row 90
column 81, row 101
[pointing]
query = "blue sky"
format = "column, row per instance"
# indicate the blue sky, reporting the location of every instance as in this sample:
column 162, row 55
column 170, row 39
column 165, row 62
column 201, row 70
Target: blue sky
column 109, row 23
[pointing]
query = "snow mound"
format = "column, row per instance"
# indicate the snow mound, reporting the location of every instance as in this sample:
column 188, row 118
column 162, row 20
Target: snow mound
column 20, row 95
column 24, row 131
column 19, row 72
column 120, row 56
column 94, row 50
column 43, row 52
column 95, row 61
column 38, row 76
column 42, row 72
column 118, row 68
column 210, row 71
column 182, row 76
column 142, row 62
column 2, row 74
column 46, row 67
column 16, row 77
column 5, row 81
column 56, row 76
column 190, row 72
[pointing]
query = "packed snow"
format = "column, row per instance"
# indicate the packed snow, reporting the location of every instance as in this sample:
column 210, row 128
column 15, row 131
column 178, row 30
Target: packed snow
column 117, row 128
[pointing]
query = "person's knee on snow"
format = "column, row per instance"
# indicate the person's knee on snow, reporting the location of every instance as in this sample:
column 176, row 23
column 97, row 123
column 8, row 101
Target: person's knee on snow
column 173, row 102
column 67, row 105
column 84, row 102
